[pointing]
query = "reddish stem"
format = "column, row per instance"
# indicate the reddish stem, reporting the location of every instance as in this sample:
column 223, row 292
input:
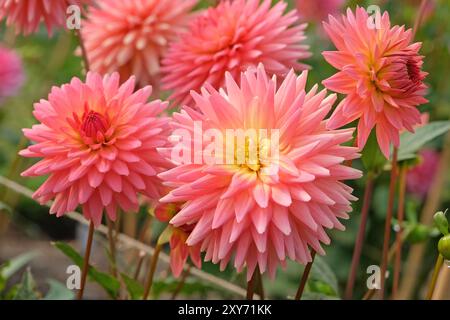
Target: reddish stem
column 398, row 238
column 387, row 226
column 305, row 276
column 87, row 255
column 360, row 237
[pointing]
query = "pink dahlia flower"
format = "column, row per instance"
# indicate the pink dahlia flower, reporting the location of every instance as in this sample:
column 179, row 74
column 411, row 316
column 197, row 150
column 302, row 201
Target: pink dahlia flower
column 26, row 15
column 98, row 142
column 380, row 72
column 11, row 73
column 179, row 250
column 131, row 36
column 318, row 10
column 231, row 37
column 420, row 178
column 268, row 206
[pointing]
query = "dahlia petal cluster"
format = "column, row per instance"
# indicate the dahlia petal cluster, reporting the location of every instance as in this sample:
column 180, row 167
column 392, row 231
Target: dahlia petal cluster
column 11, row 73
column 131, row 36
column 26, row 15
column 318, row 10
column 97, row 141
column 230, row 38
column 278, row 207
column 380, row 72
column 179, row 250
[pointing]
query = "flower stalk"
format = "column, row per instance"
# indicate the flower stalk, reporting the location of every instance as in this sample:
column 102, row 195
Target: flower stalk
column 360, row 237
column 305, row 276
column 87, row 255
column 151, row 272
column 388, row 224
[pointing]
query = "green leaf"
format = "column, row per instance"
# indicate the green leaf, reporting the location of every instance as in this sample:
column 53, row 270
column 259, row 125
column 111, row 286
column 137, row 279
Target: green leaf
column 372, row 157
column 134, row 288
column 9, row 268
column 317, row 296
column 106, row 281
column 410, row 143
column 27, row 288
column 320, row 271
column 58, row 291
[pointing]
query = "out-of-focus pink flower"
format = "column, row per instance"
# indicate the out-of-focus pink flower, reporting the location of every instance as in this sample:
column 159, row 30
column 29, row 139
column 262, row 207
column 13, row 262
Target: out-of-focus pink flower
column 179, row 250
column 276, row 202
column 11, row 73
column 231, row 37
column 380, row 72
column 98, row 142
column 26, row 15
column 131, row 36
column 318, row 10
column 420, row 178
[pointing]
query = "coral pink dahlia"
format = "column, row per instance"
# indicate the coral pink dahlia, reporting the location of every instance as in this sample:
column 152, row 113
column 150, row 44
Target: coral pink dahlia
column 231, row 37
column 26, row 15
column 98, row 142
column 381, row 74
column 131, row 36
column 179, row 250
column 277, row 192
column 11, row 73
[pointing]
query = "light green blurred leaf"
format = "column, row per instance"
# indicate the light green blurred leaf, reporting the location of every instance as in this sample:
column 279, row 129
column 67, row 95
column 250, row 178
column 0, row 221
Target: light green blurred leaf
column 320, row 271
column 410, row 143
column 27, row 288
column 11, row 267
column 134, row 288
column 58, row 291
column 106, row 281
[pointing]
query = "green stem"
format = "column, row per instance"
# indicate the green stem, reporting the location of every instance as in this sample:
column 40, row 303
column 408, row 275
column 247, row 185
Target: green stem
column 434, row 278
column 305, row 276
column 151, row 272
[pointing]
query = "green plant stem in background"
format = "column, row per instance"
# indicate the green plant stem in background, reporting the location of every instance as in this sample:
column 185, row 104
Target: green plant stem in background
column 260, row 287
column 112, row 247
column 434, row 278
column 388, row 223
column 360, row 237
column 151, row 271
column 83, row 51
column 305, row 276
column 399, row 235
column 419, row 18
column 182, row 282
column 251, row 284
column 87, row 255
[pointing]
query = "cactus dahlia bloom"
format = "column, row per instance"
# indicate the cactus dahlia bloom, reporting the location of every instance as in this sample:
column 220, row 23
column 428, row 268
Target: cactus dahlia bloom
column 26, row 15
column 11, row 73
column 179, row 250
column 231, row 37
column 131, row 36
column 98, row 142
column 276, row 193
column 380, row 72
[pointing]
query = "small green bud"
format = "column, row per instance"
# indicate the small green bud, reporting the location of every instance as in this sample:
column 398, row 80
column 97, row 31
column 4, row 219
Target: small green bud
column 441, row 222
column 444, row 247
